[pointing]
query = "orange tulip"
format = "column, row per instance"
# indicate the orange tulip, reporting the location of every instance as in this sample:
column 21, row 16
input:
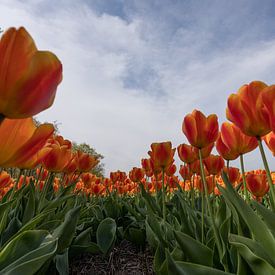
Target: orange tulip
column 186, row 153
column 20, row 142
column 162, row 154
column 214, row 164
column 200, row 130
column 171, row 170
column 234, row 139
column 257, row 184
column 270, row 141
column 185, row 172
column 233, row 174
column 246, row 109
column 136, row 174
column 86, row 162
column 55, row 156
column 146, row 165
column 209, row 181
column 226, row 152
column 28, row 77
column 269, row 102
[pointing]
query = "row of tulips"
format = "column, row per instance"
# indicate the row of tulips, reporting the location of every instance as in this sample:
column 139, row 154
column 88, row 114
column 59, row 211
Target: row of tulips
column 205, row 223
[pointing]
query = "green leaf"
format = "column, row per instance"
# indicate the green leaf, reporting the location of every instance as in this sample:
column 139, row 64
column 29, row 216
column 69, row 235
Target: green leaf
column 26, row 253
column 254, row 255
column 258, row 228
column 65, row 232
column 89, row 247
column 184, row 268
column 194, row 250
column 62, row 263
column 106, row 235
column 29, row 211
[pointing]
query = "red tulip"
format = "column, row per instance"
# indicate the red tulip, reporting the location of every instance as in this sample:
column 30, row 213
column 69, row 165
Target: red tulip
column 257, row 184
column 162, row 155
column 269, row 102
column 28, row 77
column 270, row 142
column 214, row 164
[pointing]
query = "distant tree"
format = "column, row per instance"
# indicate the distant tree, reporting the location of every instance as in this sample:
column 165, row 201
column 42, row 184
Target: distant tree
column 98, row 170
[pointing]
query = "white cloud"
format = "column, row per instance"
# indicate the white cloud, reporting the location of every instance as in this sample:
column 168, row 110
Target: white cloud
column 125, row 84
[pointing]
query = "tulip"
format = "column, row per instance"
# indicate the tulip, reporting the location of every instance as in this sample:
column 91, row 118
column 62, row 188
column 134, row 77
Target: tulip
column 233, row 174
column 257, row 185
column 185, row 172
column 146, row 165
column 214, row 164
column 171, row 170
column 270, row 142
column 200, row 131
column 226, row 152
column 246, row 110
column 85, row 162
column 136, row 174
column 20, row 142
column 186, row 153
column 234, row 139
column 28, row 77
column 210, row 180
column 269, row 102
column 162, row 154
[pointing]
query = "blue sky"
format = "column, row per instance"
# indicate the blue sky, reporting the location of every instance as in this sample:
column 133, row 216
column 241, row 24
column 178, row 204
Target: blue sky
column 133, row 69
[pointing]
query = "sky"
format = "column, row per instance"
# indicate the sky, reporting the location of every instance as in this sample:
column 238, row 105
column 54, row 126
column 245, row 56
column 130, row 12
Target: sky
column 132, row 69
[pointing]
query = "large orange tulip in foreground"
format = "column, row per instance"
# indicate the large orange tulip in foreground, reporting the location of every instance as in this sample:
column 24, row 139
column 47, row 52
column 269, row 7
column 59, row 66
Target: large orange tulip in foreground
column 28, row 77
column 20, row 142
column 246, row 109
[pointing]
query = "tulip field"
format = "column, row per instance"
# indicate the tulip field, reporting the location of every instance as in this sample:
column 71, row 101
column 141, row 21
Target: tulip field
column 204, row 217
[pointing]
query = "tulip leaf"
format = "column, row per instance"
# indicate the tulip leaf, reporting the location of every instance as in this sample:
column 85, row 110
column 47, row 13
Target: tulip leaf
column 194, row 250
column 29, row 211
column 66, row 231
column 268, row 215
column 26, row 253
column 62, row 263
column 259, row 229
column 186, row 268
column 106, row 235
column 255, row 256
column 89, row 247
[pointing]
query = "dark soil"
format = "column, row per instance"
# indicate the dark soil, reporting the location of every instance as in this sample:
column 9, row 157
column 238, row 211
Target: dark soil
column 125, row 258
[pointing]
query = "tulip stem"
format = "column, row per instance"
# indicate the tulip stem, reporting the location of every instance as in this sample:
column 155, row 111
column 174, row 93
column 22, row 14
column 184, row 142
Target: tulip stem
column 268, row 174
column 246, row 197
column 215, row 230
column 163, row 197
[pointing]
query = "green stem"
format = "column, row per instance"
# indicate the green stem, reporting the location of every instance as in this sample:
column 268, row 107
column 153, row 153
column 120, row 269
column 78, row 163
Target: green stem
column 215, row 230
column 163, row 197
column 268, row 174
column 202, row 216
column 246, row 197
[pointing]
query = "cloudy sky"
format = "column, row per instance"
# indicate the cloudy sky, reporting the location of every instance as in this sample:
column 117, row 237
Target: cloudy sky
column 134, row 68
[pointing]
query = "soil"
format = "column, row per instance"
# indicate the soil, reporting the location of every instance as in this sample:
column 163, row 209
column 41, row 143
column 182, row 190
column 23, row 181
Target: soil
column 124, row 259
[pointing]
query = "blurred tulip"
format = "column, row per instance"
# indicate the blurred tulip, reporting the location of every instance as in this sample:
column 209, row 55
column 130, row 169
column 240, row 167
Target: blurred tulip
column 210, row 181
column 185, row 172
column 162, row 154
column 270, row 142
column 146, row 165
column 200, row 131
column 246, row 110
column 186, row 153
column 20, row 142
column 85, row 162
column 28, row 77
column 257, row 184
column 269, row 102
column 214, row 164
column 136, row 174
column 171, row 170
column 233, row 174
